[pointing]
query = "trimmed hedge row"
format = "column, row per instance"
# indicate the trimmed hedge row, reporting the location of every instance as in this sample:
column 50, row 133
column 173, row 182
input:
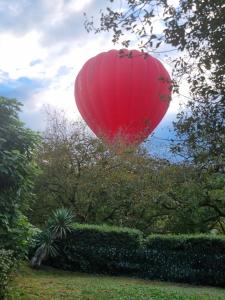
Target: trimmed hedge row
column 97, row 249
column 196, row 259
column 6, row 265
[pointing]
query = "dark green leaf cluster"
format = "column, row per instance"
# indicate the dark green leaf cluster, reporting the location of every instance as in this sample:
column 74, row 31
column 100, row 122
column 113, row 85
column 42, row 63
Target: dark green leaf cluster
column 6, row 264
column 59, row 224
column 194, row 259
column 17, row 173
column 115, row 236
column 198, row 259
column 57, row 228
column 19, row 236
column 108, row 246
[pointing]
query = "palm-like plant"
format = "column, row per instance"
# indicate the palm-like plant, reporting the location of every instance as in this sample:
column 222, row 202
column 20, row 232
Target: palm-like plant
column 57, row 228
column 46, row 247
column 60, row 223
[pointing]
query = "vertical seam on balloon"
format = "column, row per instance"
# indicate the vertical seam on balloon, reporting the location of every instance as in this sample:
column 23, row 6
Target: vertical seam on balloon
column 88, row 93
column 145, row 75
column 131, row 93
column 99, row 89
column 104, row 102
column 132, row 123
column 85, row 89
column 158, row 85
column 115, row 94
column 94, row 108
column 148, row 95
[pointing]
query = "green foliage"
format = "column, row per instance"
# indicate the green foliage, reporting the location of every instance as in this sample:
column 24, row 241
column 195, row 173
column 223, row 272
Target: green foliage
column 130, row 189
column 198, row 259
column 6, row 265
column 79, row 172
column 46, row 243
column 185, row 258
column 19, row 236
column 96, row 235
column 60, row 223
column 57, row 228
column 17, row 173
column 93, row 248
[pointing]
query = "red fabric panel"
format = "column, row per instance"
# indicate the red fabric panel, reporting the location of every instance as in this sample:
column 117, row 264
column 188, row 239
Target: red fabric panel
column 123, row 97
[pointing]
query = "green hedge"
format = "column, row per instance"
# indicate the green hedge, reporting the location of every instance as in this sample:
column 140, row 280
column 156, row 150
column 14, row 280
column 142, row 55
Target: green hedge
column 103, row 235
column 6, row 265
column 98, row 249
column 103, row 249
column 196, row 259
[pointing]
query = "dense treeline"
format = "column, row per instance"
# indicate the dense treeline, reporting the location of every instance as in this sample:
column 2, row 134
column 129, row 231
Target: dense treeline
column 122, row 187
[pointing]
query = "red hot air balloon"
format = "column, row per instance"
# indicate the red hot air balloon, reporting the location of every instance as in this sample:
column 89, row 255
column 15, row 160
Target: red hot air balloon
column 123, row 94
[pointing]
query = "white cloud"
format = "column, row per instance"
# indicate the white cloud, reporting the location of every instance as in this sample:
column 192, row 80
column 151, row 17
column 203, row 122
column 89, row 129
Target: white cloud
column 60, row 92
column 18, row 52
column 78, row 5
column 46, row 41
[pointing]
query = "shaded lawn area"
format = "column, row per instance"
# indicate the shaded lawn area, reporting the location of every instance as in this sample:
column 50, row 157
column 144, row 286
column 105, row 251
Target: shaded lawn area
column 49, row 283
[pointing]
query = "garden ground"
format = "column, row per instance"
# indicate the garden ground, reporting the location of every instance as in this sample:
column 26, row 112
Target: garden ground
column 52, row 284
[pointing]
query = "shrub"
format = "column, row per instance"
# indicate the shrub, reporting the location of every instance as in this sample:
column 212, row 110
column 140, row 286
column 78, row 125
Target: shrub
column 198, row 259
column 6, row 264
column 103, row 235
column 19, row 237
column 57, row 228
column 101, row 249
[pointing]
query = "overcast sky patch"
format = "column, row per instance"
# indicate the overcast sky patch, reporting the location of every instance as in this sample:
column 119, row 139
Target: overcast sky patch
column 44, row 45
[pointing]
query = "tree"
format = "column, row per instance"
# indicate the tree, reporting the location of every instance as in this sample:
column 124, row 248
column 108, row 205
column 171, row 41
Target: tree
column 66, row 155
column 194, row 31
column 78, row 171
column 128, row 188
column 17, row 173
column 191, row 203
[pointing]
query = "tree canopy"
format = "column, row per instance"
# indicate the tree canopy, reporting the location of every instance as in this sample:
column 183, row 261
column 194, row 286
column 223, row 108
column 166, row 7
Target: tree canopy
column 128, row 188
column 17, row 173
column 193, row 35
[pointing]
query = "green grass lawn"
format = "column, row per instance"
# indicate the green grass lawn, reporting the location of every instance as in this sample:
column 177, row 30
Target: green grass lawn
column 49, row 283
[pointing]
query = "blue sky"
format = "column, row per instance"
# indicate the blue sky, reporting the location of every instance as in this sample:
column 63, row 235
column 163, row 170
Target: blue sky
column 43, row 46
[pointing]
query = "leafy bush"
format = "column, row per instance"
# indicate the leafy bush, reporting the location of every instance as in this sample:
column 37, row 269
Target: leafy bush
column 198, row 259
column 98, row 249
column 6, row 264
column 19, row 237
column 57, row 228
column 103, row 235
column 17, row 173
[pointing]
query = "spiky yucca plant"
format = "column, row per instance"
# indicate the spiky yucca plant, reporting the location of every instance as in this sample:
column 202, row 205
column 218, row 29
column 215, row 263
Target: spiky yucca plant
column 57, row 227
column 60, row 223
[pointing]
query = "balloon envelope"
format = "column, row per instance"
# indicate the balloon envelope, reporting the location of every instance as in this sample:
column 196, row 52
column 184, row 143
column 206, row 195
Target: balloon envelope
column 123, row 94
